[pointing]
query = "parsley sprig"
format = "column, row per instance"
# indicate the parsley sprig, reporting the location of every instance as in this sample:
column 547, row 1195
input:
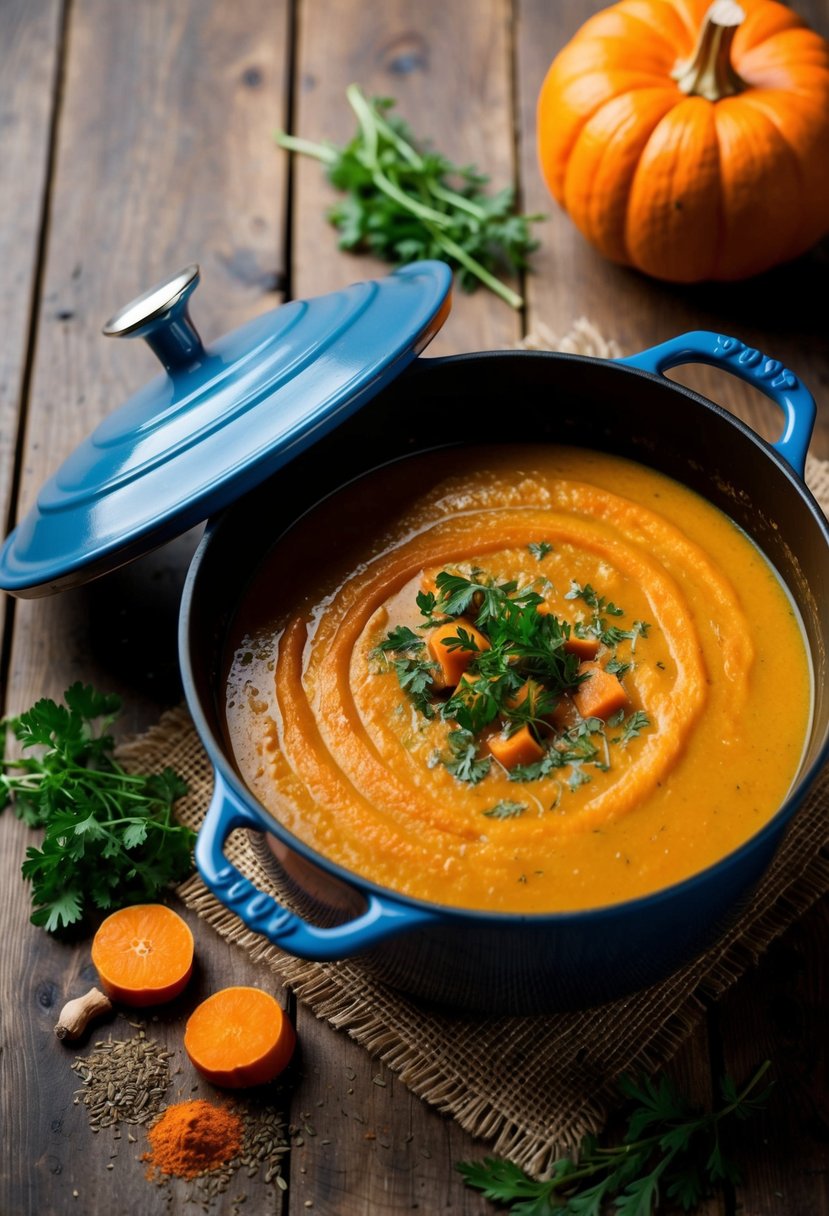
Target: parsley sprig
column 110, row 838
column 668, row 1151
column 517, row 678
column 404, row 201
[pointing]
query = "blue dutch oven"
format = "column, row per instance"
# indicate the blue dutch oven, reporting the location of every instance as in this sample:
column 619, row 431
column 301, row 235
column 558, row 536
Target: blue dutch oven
column 317, row 393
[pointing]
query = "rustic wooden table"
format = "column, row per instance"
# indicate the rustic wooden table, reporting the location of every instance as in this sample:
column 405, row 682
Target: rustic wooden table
column 137, row 137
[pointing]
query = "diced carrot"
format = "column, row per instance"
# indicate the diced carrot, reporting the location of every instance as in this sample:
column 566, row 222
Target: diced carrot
column 520, row 748
column 453, row 663
column 600, row 695
column 584, row 648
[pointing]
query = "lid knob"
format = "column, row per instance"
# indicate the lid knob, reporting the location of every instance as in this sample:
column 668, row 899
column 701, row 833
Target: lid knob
column 161, row 316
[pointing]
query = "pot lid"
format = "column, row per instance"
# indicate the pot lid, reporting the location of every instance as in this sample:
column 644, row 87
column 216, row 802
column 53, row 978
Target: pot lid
column 219, row 420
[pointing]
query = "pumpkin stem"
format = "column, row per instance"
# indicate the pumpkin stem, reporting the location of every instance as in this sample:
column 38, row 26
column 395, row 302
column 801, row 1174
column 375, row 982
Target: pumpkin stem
column 709, row 72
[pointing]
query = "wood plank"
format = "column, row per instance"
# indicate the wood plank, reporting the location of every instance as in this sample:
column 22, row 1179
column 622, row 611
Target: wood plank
column 30, row 32
column 364, row 1144
column 461, row 104
column 165, row 156
column 780, row 1012
column 773, row 311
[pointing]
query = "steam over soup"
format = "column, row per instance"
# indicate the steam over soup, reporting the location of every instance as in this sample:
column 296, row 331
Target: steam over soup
column 524, row 679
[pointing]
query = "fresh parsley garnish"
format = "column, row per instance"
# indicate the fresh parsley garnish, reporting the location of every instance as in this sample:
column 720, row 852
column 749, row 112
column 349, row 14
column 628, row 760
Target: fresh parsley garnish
column 669, row 1150
column 401, row 638
column 597, row 602
column 540, row 549
column 110, row 838
column 519, row 667
column 404, row 202
column 634, row 726
column 463, row 761
column 416, row 677
column 505, row 810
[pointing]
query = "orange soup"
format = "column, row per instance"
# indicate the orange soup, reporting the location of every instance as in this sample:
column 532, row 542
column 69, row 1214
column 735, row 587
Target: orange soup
column 521, row 679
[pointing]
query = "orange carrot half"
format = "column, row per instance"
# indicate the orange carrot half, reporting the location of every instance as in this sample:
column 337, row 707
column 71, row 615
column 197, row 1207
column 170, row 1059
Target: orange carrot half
column 143, row 954
column 239, row 1037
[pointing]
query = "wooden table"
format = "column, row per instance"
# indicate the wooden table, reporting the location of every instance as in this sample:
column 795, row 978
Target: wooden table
column 137, row 137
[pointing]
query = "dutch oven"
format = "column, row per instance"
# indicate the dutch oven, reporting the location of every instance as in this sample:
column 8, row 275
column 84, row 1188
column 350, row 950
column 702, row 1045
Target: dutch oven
column 286, row 410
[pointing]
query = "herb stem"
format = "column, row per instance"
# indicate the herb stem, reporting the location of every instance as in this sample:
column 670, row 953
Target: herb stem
column 293, row 143
column 474, row 267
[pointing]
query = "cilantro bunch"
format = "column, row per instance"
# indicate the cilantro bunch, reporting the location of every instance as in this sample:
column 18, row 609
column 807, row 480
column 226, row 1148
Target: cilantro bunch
column 109, row 836
column 404, row 202
column 669, row 1152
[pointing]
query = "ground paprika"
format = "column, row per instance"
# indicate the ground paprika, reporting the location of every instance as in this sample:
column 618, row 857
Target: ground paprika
column 193, row 1137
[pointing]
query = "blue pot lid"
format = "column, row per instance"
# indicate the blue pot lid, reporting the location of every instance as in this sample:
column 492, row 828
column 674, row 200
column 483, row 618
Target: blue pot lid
column 219, row 421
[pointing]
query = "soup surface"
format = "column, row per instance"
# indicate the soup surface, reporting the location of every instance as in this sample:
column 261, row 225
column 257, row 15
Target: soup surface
column 524, row 679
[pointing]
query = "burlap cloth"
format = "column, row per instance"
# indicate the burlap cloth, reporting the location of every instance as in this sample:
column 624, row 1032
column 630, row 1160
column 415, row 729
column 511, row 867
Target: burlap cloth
column 530, row 1086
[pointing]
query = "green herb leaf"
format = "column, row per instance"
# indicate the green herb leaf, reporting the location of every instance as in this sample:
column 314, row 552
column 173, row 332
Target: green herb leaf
column 463, row 761
column 540, row 549
column 109, row 835
column 402, row 201
column 633, row 727
column 667, row 1146
column 505, row 810
column 401, row 638
column 415, row 677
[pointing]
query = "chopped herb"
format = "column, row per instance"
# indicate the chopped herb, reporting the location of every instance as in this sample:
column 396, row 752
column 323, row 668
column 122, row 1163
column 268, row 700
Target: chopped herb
column 401, row 638
column 463, row 761
column 518, row 678
column 505, row 810
column 404, row 202
column 597, row 602
column 540, row 549
column 110, row 838
column 577, row 777
column 415, row 677
column 669, row 1150
column 461, row 640
column 634, row 726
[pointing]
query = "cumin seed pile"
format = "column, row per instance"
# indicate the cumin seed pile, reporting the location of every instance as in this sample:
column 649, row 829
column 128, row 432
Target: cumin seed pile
column 124, row 1081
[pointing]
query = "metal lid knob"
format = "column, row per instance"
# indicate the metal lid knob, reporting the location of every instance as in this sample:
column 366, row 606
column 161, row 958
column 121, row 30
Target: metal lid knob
column 161, row 316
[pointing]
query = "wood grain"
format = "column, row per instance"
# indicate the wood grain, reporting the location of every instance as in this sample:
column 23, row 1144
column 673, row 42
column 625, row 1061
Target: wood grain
column 30, row 33
column 164, row 156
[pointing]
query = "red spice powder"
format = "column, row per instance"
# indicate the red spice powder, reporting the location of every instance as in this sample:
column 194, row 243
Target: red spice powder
column 193, row 1137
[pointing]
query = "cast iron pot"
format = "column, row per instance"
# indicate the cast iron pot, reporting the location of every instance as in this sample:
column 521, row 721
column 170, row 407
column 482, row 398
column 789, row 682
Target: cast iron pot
column 500, row 962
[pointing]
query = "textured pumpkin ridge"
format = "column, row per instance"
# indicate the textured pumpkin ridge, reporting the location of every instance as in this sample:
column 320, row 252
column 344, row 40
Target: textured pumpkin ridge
column 771, row 202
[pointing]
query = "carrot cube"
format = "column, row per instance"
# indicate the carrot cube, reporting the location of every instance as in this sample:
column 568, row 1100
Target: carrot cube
column 600, row 695
column 453, row 663
column 583, row 648
column 520, row 748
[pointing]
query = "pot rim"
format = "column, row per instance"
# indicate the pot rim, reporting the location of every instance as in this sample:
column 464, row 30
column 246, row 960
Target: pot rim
column 218, row 752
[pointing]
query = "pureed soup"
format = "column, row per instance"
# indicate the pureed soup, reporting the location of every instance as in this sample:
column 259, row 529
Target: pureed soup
column 521, row 679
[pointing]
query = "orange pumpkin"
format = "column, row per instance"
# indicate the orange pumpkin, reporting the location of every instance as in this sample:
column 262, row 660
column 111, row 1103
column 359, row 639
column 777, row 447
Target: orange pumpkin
column 689, row 139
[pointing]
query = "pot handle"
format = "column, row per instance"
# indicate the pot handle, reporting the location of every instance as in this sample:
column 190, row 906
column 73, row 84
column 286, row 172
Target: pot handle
column 757, row 369
column 383, row 918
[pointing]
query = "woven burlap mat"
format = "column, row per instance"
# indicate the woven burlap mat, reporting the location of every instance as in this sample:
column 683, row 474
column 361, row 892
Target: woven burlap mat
column 530, row 1086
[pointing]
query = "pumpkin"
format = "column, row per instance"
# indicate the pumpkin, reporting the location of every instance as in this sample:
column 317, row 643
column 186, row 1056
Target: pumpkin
column 688, row 141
